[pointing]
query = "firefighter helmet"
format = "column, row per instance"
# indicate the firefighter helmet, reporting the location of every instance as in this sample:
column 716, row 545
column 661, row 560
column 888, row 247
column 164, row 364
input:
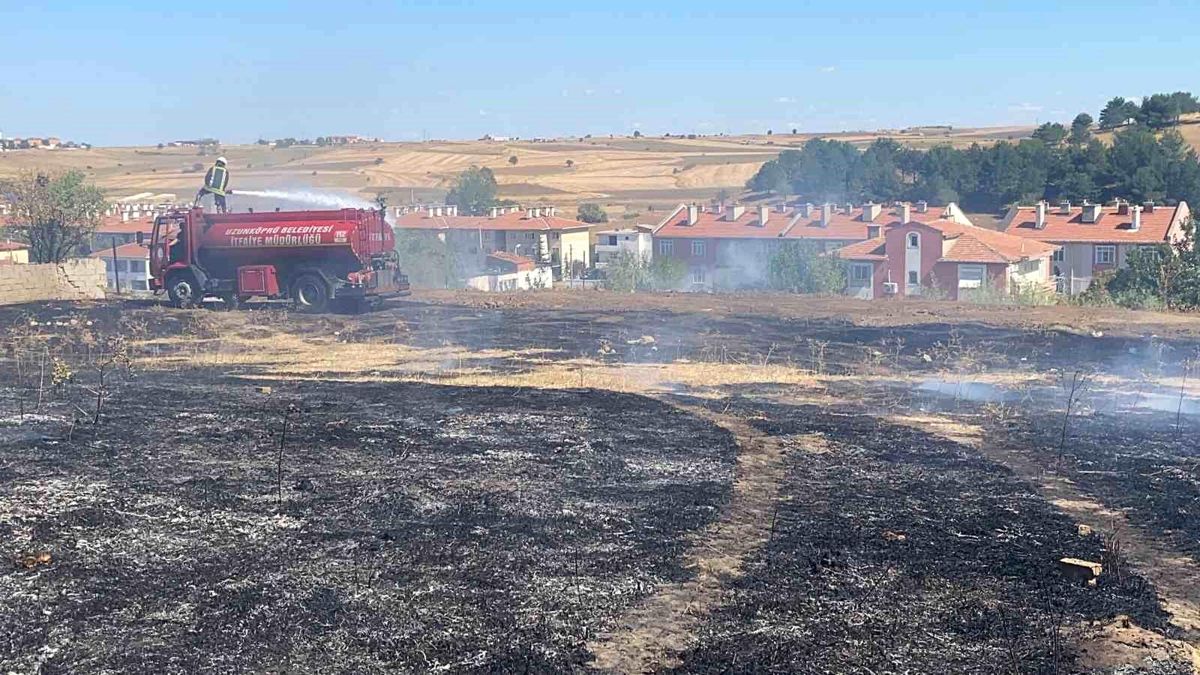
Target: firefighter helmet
column 221, row 161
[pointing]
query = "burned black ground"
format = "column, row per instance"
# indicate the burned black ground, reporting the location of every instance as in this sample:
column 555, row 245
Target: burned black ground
column 894, row 550
column 498, row 529
column 420, row 527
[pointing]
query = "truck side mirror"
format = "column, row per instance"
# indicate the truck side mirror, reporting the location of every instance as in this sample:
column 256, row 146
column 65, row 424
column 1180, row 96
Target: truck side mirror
column 141, row 238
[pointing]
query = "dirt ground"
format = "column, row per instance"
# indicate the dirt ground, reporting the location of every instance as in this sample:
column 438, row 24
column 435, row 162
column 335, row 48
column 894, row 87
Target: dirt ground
column 593, row 481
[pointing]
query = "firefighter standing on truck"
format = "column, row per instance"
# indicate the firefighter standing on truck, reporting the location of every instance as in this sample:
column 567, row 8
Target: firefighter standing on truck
column 216, row 182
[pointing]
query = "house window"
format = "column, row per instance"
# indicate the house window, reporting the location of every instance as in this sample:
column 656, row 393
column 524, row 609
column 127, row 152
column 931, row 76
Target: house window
column 860, row 272
column 612, row 240
column 137, row 266
column 914, row 240
column 1106, row 254
column 698, row 249
column 140, row 285
column 666, row 247
column 1059, row 255
column 913, row 279
column 971, row 276
column 1029, row 266
column 121, row 266
column 697, row 275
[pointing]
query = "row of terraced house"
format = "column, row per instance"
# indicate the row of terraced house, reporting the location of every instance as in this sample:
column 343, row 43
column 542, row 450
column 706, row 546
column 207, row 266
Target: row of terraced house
column 899, row 249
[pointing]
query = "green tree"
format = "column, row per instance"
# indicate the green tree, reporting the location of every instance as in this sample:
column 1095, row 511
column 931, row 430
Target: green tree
column 1050, row 133
column 637, row 133
column 628, row 272
column 800, row 267
column 512, row 159
column 55, row 214
column 1081, row 129
column 1159, row 111
column 428, row 261
column 1117, row 111
column 591, row 213
column 474, row 191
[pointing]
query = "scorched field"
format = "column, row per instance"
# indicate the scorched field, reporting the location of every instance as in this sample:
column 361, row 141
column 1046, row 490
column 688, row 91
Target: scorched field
column 559, row 482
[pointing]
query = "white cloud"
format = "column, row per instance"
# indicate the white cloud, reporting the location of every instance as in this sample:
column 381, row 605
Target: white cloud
column 785, row 99
column 1025, row 108
column 828, row 69
column 483, row 113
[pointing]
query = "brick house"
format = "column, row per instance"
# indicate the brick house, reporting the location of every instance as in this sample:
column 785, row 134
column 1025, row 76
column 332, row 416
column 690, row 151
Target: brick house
column 724, row 247
column 909, row 258
column 832, row 226
column 535, row 232
column 1093, row 238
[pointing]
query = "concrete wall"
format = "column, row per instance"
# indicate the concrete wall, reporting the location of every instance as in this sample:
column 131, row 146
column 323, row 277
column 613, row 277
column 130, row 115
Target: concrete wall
column 82, row 279
column 538, row 277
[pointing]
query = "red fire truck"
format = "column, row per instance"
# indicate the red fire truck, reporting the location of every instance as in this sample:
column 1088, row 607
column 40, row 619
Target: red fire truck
column 344, row 259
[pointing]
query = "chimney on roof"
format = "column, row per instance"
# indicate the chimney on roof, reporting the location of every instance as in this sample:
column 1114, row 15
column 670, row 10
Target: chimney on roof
column 693, row 214
column 124, row 216
column 493, row 212
column 922, row 206
column 849, row 208
column 452, row 210
column 1122, row 207
column 871, row 211
column 826, row 214
column 552, row 211
column 720, row 207
column 806, row 209
column 874, row 231
column 1091, row 212
column 735, row 212
column 905, row 213
column 1148, row 207
column 1039, row 221
column 764, row 214
column 1136, row 223
column 1064, row 208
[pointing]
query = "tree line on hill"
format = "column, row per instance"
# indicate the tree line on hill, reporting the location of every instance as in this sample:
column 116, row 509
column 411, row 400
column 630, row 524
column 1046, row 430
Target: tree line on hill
column 1145, row 161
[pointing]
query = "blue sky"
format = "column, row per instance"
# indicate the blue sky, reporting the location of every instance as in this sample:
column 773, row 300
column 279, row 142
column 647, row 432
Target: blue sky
column 140, row 72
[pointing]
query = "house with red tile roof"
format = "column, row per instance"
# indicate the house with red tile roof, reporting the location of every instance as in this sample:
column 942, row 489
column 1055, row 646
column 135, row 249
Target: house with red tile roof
column 722, row 247
column 1094, row 238
column 538, row 233
column 912, row 258
column 731, row 247
column 14, row 253
column 832, row 226
column 129, row 270
column 119, row 230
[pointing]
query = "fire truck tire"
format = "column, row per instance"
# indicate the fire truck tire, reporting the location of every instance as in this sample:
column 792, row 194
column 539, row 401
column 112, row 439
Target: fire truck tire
column 230, row 301
column 183, row 291
column 310, row 293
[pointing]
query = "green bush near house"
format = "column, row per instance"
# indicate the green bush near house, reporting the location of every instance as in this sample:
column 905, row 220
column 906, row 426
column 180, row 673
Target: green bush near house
column 801, row 267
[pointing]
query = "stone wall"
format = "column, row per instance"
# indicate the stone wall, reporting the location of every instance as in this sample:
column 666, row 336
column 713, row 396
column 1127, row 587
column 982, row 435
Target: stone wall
column 81, row 279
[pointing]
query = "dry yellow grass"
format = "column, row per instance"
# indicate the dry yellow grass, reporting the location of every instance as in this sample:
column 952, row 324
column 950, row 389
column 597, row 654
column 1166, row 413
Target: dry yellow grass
column 272, row 354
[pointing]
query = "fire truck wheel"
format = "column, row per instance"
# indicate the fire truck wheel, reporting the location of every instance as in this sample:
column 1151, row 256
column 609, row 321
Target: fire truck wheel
column 310, row 293
column 181, row 288
column 230, row 301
